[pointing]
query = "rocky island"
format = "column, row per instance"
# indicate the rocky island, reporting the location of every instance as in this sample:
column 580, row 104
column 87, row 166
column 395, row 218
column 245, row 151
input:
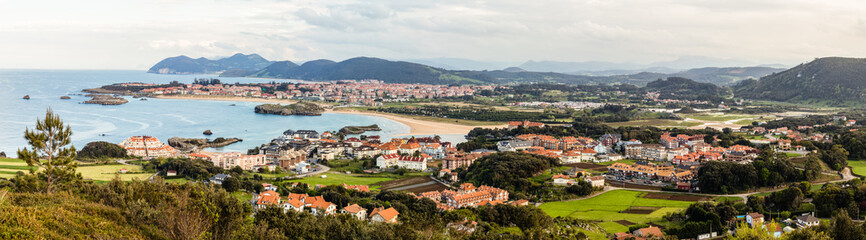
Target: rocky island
column 359, row 129
column 300, row 108
column 191, row 144
column 105, row 99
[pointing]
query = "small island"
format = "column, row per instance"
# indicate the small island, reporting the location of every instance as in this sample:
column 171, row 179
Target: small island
column 359, row 129
column 105, row 99
column 300, row 108
column 192, row 144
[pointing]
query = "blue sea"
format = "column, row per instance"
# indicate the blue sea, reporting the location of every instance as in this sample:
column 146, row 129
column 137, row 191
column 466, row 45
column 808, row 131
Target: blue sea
column 162, row 118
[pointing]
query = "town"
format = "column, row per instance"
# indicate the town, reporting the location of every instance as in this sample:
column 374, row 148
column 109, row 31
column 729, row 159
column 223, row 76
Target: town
column 672, row 163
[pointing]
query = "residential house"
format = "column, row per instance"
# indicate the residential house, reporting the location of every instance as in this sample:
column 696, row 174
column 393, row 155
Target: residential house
column 525, row 124
column 267, row 198
column 649, row 232
column 356, row 211
column 293, row 205
column 755, row 219
column 807, row 220
column 219, row 178
column 388, row 215
column 322, row 207
column 562, row 180
column 596, row 181
column 512, row 145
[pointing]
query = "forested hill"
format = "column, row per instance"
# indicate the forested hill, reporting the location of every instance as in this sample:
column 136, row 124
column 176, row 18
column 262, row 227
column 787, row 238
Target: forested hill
column 372, row 68
column 832, row 81
column 686, row 89
column 186, row 65
column 725, row 76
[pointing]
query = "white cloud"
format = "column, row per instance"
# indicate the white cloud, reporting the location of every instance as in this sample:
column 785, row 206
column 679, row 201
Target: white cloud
column 136, row 34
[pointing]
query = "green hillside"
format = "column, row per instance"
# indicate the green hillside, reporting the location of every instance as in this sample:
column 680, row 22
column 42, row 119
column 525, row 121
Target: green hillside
column 832, row 81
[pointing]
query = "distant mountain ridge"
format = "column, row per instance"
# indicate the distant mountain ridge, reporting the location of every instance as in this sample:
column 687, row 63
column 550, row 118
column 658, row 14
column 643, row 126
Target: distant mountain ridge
column 186, row 65
column 360, row 68
column 835, row 81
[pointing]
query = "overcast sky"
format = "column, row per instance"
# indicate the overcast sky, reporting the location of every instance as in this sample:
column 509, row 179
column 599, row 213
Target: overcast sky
column 129, row 34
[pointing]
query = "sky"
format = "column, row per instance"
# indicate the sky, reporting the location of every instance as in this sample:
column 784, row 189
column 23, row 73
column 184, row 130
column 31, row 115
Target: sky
column 131, row 34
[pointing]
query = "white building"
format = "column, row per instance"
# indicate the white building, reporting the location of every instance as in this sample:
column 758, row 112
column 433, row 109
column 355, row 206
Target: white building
column 391, row 160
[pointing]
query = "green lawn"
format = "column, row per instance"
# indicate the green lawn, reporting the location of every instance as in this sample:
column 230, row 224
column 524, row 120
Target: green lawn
column 607, row 206
column 242, row 196
column 793, row 154
column 654, row 122
column 858, row 167
column 334, row 178
column 108, row 172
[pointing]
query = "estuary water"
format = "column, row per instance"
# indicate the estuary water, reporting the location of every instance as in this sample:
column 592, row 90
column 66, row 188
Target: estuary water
column 162, row 118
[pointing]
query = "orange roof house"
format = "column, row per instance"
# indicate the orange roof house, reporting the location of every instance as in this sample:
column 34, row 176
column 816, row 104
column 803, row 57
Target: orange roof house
column 384, row 215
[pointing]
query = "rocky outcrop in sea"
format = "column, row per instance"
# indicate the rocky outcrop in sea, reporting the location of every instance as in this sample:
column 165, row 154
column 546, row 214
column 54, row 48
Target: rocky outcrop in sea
column 191, row 144
column 105, row 99
column 359, row 129
column 300, row 108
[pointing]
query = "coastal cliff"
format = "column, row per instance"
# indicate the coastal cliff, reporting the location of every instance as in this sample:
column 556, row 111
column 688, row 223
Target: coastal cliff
column 300, row 108
column 359, row 129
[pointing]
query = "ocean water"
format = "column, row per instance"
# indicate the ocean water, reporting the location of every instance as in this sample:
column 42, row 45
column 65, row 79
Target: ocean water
column 162, row 118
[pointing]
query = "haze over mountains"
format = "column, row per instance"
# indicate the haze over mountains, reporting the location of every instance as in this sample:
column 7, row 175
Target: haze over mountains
column 253, row 65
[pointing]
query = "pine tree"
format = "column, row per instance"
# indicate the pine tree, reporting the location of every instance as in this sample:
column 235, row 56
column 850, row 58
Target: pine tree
column 51, row 161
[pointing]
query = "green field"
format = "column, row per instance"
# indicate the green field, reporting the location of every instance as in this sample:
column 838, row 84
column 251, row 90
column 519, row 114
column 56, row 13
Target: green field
column 717, row 117
column 793, row 154
column 10, row 166
column 728, row 199
column 607, row 208
column 334, row 178
column 108, row 172
column 858, row 167
column 654, row 122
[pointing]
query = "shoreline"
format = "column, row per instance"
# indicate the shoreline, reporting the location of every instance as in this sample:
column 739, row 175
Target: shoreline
column 416, row 126
column 223, row 98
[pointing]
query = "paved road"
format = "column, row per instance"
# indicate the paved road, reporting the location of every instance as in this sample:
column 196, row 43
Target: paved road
column 321, row 169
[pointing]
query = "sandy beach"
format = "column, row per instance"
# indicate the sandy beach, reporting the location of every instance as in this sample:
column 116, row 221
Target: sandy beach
column 421, row 127
column 416, row 127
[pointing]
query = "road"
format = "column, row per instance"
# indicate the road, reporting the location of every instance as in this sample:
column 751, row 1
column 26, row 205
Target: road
column 321, row 169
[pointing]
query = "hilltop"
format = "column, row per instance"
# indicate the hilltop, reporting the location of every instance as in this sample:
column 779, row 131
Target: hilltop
column 186, row 65
column 832, row 81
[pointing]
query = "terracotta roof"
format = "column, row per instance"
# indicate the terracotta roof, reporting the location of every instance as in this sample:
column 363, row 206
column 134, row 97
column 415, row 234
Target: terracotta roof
column 322, row 204
column 654, row 231
column 354, row 208
column 387, row 214
column 268, row 198
column 295, row 202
